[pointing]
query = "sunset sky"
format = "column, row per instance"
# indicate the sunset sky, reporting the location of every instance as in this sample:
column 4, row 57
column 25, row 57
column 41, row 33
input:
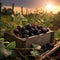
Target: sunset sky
column 48, row 5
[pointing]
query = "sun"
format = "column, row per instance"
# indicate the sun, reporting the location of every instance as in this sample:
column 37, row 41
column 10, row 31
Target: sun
column 49, row 7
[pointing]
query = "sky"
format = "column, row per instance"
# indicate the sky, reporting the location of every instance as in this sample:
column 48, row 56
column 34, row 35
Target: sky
column 31, row 3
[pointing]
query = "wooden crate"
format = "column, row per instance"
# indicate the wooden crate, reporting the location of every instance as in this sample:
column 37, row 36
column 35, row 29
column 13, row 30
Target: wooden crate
column 54, row 52
column 41, row 39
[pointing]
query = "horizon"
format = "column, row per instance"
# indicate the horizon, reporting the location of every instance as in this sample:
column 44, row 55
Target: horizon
column 33, row 4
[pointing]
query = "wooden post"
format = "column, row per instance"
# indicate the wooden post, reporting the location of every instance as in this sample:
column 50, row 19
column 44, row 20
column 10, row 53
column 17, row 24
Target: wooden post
column 26, row 11
column 22, row 10
column 0, row 8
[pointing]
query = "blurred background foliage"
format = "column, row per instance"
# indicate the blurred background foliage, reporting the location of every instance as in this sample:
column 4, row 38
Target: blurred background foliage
column 50, row 20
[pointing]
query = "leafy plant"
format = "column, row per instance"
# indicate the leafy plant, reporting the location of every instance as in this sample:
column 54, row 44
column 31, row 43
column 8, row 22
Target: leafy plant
column 34, row 53
column 37, row 50
column 11, row 45
column 57, row 35
column 7, row 51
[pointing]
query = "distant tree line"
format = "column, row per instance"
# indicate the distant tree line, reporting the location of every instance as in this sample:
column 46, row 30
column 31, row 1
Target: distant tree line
column 6, row 11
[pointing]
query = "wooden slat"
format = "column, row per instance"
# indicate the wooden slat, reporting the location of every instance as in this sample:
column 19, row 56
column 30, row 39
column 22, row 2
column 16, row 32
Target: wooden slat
column 51, row 51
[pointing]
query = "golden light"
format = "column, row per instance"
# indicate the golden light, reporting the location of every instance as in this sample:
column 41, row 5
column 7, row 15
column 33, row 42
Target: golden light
column 50, row 7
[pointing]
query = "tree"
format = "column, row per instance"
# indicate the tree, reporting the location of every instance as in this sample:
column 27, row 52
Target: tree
column 13, row 8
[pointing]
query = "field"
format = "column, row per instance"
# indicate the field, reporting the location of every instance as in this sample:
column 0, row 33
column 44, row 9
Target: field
column 10, row 22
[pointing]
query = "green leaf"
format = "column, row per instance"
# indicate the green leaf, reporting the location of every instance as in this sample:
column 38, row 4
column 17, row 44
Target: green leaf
column 11, row 45
column 34, row 53
column 2, row 42
column 36, row 46
column 6, row 52
column 1, row 39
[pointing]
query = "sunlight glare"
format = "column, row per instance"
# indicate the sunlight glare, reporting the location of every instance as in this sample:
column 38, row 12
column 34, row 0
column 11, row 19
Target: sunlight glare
column 49, row 7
